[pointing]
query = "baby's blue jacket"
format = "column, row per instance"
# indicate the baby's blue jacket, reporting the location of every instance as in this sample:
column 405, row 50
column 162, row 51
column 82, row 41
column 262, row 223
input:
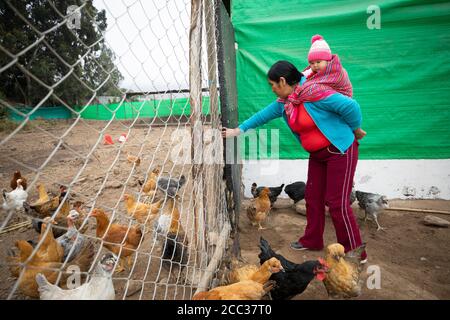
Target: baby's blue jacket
column 336, row 117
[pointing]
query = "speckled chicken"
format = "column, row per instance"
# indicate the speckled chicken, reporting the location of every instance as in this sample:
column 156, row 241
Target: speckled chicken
column 372, row 204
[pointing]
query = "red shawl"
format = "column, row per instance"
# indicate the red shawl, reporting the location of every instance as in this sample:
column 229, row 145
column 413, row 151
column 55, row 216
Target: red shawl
column 319, row 86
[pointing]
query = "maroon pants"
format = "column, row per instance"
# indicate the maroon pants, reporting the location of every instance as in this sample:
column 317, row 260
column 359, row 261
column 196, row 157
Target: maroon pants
column 330, row 178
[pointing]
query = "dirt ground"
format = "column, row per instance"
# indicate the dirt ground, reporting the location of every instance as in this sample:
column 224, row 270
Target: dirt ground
column 413, row 259
column 105, row 167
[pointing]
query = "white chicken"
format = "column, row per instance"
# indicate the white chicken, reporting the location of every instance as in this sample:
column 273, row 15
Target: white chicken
column 99, row 287
column 14, row 200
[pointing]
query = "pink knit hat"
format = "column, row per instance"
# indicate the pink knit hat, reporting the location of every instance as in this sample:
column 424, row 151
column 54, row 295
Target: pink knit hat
column 319, row 49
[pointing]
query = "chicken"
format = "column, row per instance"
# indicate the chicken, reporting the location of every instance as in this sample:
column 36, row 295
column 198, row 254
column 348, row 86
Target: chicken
column 258, row 211
column 133, row 159
column 296, row 277
column 296, row 191
column 141, row 211
column 274, row 192
column 45, row 205
column 372, row 204
column 99, row 287
column 259, row 274
column 13, row 201
column 79, row 223
column 72, row 241
column 170, row 186
column 16, row 176
column 117, row 237
column 243, row 290
column 150, row 186
column 343, row 278
column 27, row 281
column 60, row 217
column 49, row 250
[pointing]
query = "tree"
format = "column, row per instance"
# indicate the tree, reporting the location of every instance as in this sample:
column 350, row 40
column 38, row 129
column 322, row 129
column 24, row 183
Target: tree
column 83, row 52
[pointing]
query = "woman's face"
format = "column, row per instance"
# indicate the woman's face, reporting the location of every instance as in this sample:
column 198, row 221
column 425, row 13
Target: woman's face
column 281, row 88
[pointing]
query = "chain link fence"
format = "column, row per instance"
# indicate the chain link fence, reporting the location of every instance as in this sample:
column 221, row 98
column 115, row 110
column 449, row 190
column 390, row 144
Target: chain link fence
column 109, row 144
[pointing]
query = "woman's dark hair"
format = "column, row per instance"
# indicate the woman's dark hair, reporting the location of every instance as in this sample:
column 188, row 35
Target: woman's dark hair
column 286, row 70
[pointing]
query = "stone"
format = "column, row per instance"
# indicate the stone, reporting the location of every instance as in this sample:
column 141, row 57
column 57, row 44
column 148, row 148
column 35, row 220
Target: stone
column 114, row 185
column 435, row 221
column 300, row 208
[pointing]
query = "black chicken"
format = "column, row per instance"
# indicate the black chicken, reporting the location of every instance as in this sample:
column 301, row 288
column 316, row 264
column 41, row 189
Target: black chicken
column 174, row 251
column 372, row 204
column 296, row 277
column 273, row 195
column 296, row 191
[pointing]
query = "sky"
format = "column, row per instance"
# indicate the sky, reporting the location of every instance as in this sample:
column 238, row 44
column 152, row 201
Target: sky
column 150, row 39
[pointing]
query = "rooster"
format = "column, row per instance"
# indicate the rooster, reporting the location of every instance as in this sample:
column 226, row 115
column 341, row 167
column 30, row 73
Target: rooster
column 296, row 277
column 372, row 204
column 343, row 278
column 274, row 192
column 296, row 191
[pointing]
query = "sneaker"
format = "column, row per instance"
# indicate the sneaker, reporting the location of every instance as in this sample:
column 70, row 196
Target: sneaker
column 363, row 257
column 297, row 246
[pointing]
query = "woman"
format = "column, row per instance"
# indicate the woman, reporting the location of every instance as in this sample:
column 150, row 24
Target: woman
column 328, row 129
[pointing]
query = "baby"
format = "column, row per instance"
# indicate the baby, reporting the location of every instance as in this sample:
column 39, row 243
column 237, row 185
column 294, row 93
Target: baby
column 325, row 75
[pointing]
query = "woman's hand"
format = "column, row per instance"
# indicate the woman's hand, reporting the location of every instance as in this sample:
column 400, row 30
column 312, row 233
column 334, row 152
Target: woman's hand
column 227, row 132
column 359, row 133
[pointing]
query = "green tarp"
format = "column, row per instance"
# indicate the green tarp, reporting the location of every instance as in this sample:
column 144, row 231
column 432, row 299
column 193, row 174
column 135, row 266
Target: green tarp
column 400, row 72
column 147, row 109
column 121, row 111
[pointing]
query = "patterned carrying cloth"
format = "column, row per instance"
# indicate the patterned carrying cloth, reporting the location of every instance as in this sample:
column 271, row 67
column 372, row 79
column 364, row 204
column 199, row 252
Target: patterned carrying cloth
column 319, row 86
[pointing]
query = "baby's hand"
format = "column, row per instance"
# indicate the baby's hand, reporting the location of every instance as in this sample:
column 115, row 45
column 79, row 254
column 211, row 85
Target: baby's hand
column 359, row 133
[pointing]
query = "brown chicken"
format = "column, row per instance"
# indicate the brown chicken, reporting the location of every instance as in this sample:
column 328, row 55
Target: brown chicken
column 133, row 159
column 27, row 282
column 140, row 211
column 77, row 206
column 17, row 175
column 117, row 237
column 258, row 212
column 150, row 186
column 44, row 205
column 243, row 290
column 342, row 280
column 252, row 272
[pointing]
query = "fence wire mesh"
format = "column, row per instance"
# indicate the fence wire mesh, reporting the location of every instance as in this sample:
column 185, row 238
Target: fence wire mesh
column 130, row 164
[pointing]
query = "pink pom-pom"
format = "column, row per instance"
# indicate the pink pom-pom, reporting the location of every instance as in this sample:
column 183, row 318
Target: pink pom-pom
column 316, row 37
